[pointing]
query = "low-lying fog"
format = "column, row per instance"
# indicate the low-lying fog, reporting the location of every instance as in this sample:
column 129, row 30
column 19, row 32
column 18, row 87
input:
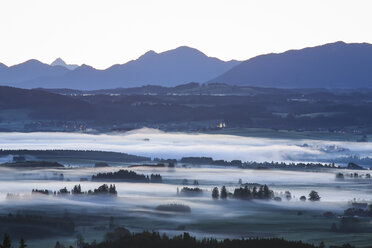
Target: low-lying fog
column 334, row 193
column 155, row 143
column 135, row 205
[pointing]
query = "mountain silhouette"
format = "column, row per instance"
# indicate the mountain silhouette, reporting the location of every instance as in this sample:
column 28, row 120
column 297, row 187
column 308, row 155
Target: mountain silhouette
column 16, row 74
column 333, row 65
column 61, row 62
column 170, row 68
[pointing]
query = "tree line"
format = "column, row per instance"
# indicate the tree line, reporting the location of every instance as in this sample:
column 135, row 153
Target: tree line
column 185, row 240
column 103, row 189
column 127, row 176
column 261, row 192
column 7, row 243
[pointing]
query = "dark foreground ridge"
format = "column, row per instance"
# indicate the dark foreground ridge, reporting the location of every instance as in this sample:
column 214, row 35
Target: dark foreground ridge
column 155, row 240
column 121, row 237
column 216, row 108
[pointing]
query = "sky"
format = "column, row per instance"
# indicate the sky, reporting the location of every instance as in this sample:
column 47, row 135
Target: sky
column 106, row 32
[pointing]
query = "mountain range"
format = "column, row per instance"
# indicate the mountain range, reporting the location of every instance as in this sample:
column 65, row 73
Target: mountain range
column 60, row 62
column 334, row 65
column 173, row 67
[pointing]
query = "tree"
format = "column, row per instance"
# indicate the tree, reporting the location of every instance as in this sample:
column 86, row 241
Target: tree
column 223, row 194
column 314, row 196
column 6, row 241
column 322, row 245
column 111, row 223
column 22, row 243
column 303, row 198
column 340, row 176
column 288, row 195
column 254, row 192
column 215, row 193
column 79, row 240
column 266, row 192
column 76, row 190
column 260, row 193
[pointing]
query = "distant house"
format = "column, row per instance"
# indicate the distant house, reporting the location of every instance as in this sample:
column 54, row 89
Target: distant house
column 221, row 125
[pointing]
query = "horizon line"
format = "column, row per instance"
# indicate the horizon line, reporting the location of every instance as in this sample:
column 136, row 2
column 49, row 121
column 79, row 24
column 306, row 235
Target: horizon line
column 172, row 49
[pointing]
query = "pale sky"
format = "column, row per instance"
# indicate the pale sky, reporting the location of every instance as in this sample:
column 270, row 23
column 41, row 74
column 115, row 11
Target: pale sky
column 105, row 32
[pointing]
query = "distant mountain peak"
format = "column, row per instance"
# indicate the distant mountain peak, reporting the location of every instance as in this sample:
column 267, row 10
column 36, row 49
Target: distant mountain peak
column 148, row 54
column 85, row 67
column 186, row 50
column 58, row 61
column 61, row 62
column 169, row 68
column 332, row 65
column 32, row 62
column 178, row 51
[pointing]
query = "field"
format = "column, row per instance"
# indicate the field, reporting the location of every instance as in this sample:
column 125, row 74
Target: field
column 134, row 207
column 61, row 217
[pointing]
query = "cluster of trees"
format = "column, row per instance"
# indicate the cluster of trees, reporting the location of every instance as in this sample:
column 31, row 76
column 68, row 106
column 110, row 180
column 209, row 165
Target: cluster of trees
column 125, row 175
column 261, row 192
column 219, row 194
column 354, row 159
column 103, row 189
column 313, row 196
column 190, row 191
column 158, row 165
column 7, row 243
column 283, row 165
column 41, row 191
column 341, row 176
column 210, row 161
column 101, row 164
column 174, row 208
column 156, row 178
column 350, row 223
column 358, row 211
column 155, row 240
